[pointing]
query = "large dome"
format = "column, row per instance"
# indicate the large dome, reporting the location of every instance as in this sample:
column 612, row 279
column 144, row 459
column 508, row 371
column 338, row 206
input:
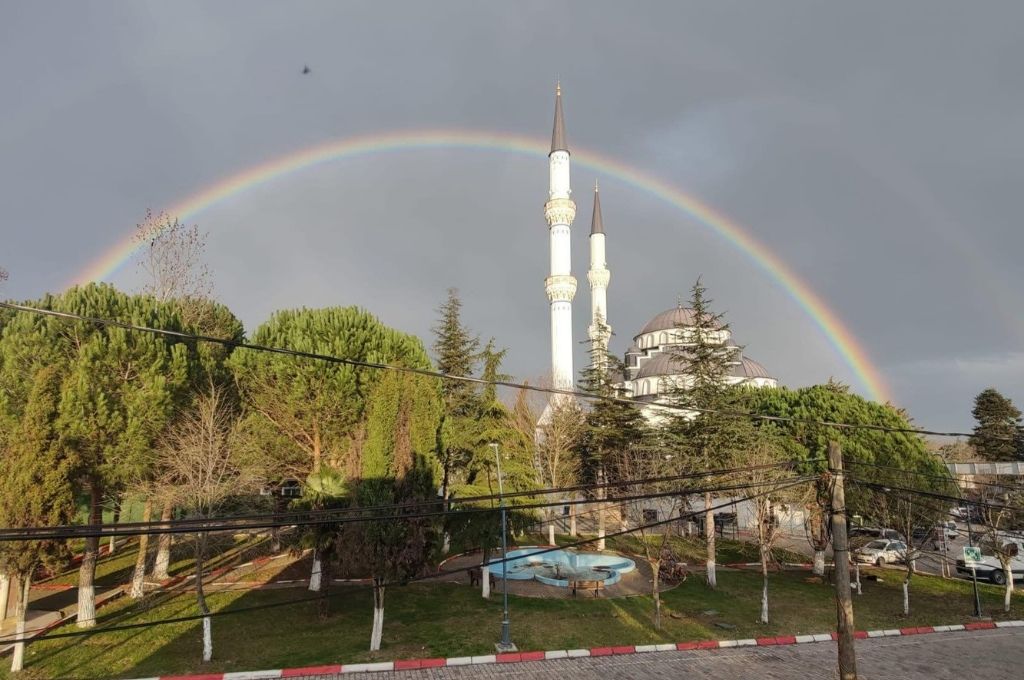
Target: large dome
column 671, row 318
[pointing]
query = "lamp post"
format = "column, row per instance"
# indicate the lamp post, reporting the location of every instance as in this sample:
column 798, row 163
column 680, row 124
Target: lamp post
column 505, row 645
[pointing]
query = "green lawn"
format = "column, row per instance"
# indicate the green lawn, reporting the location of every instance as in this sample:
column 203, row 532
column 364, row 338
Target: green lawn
column 425, row 620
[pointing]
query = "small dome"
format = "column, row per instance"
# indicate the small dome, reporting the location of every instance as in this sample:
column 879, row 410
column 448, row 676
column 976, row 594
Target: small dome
column 748, row 368
column 659, row 365
column 670, row 318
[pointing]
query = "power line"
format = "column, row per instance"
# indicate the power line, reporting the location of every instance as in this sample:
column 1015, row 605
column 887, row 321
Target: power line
column 237, row 344
column 950, row 478
column 71, row 531
column 242, row 610
column 333, row 516
column 931, row 494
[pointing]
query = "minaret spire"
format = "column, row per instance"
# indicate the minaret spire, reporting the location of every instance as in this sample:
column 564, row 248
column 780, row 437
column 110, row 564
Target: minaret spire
column 558, row 132
column 596, row 223
column 560, row 286
column 599, row 277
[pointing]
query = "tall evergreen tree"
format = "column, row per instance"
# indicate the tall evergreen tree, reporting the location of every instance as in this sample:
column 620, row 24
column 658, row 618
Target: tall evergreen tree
column 708, row 437
column 998, row 434
column 35, row 488
column 456, row 352
column 612, row 428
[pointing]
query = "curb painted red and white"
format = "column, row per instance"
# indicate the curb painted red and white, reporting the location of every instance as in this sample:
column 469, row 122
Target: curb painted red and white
column 519, row 657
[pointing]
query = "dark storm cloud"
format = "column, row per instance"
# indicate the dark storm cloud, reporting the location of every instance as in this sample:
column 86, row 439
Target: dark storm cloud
column 874, row 147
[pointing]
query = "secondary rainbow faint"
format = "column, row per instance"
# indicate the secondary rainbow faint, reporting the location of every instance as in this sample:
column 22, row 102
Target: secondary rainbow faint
column 839, row 336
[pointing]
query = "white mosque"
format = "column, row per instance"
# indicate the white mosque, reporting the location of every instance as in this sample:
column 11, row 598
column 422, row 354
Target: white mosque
column 651, row 370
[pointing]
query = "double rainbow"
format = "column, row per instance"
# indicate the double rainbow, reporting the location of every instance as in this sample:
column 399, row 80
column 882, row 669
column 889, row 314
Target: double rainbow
column 838, row 335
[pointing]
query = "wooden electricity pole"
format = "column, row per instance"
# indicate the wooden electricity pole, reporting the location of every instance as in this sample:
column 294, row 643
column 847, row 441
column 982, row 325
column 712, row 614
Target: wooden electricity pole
column 844, row 601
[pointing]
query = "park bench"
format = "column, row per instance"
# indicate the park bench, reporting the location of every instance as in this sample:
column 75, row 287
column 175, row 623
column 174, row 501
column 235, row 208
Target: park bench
column 596, row 586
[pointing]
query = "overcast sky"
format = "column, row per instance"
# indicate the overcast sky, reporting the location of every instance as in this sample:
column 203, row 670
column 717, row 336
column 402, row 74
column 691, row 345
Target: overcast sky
column 875, row 147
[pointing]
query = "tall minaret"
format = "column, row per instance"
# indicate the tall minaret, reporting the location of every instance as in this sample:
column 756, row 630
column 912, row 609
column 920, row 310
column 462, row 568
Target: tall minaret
column 598, row 276
column 561, row 285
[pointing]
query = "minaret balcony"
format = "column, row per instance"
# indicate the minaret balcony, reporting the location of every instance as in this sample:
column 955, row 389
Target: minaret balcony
column 599, row 278
column 560, row 211
column 560, row 288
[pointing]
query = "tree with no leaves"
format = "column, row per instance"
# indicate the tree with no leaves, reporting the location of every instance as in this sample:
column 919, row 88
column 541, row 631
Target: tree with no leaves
column 205, row 471
column 765, row 493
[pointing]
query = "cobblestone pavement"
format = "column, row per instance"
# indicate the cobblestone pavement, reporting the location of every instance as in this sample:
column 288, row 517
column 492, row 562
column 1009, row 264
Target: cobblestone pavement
column 938, row 656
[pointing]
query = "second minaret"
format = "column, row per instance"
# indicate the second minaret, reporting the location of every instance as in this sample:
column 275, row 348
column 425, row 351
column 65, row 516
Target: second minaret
column 598, row 276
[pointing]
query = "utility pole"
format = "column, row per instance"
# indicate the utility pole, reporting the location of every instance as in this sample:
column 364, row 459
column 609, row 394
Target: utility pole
column 844, row 602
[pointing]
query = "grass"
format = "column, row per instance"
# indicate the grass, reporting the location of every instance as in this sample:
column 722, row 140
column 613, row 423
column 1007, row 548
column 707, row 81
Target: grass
column 429, row 620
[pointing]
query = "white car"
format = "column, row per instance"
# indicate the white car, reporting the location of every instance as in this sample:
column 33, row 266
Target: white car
column 881, row 552
column 991, row 568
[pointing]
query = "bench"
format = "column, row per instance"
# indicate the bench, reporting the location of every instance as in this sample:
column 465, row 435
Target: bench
column 596, row 586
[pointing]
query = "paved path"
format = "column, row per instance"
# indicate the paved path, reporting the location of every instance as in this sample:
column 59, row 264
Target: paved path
column 979, row 654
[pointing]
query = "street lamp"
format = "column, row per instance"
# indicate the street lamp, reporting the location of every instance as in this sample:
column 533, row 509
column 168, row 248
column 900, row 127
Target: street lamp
column 505, row 645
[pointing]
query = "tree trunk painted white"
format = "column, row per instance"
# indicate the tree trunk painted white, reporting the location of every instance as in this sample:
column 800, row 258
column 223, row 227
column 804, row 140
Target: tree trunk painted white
column 572, row 520
column 378, row 617
column 819, row 563
column 112, row 545
column 207, row 639
column 485, row 581
column 764, row 597
column 551, row 534
column 1008, row 593
column 18, row 658
column 906, row 598
column 201, row 597
column 856, row 569
column 314, row 577
column 138, row 588
column 86, row 617
column 764, row 583
column 600, row 526
column 446, row 545
column 5, row 594
column 655, row 591
column 162, row 564
column 709, row 534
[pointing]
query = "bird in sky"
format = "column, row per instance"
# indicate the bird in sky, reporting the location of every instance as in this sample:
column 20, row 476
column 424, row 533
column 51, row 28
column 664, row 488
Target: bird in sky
column 306, row 70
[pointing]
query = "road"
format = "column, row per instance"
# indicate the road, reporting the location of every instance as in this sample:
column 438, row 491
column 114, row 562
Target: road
column 995, row 653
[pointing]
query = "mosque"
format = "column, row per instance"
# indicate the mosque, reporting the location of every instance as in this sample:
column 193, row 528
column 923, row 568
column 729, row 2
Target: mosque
column 652, row 372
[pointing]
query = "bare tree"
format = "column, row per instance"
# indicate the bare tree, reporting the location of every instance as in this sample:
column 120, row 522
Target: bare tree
column 907, row 513
column 641, row 463
column 557, row 460
column 767, row 480
column 1003, row 508
column 199, row 463
column 172, row 264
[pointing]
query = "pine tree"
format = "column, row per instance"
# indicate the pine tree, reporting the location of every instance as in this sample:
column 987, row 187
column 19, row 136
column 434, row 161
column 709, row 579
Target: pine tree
column 456, row 352
column 612, row 428
column 708, row 437
column 998, row 434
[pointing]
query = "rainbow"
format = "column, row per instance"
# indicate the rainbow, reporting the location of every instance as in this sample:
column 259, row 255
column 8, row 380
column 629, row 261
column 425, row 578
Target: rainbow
column 838, row 335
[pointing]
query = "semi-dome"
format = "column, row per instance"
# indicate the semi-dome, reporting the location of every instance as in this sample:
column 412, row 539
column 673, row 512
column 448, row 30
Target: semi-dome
column 748, row 368
column 671, row 318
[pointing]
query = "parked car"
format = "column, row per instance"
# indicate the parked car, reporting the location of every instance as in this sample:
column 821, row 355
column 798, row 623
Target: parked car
column 881, row 552
column 952, row 531
column 862, row 535
column 990, row 568
column 960, row 512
